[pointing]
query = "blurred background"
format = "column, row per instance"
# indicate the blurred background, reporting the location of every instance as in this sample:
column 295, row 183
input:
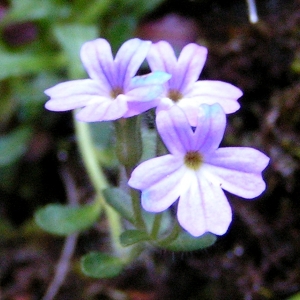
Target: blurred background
column 259, row 257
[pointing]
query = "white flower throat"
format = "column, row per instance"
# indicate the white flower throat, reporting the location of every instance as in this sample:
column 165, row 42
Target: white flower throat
column 174, row 95
column 193, row 160
column 116, row 92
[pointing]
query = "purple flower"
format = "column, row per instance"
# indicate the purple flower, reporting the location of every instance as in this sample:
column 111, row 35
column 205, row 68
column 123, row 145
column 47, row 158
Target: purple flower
column 183, row 88
column 111, row 92
column 196, row 171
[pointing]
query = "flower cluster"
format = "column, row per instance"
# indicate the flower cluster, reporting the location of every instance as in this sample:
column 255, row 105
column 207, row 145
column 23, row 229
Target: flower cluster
column 190, row 118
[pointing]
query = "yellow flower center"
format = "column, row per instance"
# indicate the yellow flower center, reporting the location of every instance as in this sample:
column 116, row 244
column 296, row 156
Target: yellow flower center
column 193, row 160
column 116, row 92
column 174, row 95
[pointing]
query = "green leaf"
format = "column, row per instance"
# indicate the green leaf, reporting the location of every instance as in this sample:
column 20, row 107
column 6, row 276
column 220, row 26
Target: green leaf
column 92, row 11
column 103, row 133
column 294, row 297
column 132, row 236
column 64, row 220
column 122, row 29
column 18, row 64
column 71, row 37
column 146, row 6
column 28, row 10
column 186, row 242
column 101, row 265
column 14, row 145
column 296, row 65
column 120, row 201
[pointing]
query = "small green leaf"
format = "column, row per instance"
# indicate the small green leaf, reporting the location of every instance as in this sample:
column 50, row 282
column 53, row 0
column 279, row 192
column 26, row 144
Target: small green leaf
column 120, row 201
column 71, row 37
column 101, row 265
column 294, row 297
column 132, row 236
column 45, row 9
column 186, row 242
column 64, row 220
column 121, row 30
column 18, row 64
column 14, row 145
column 102, row 133
column 296, row 65
column 92, row 11
column 147, row 6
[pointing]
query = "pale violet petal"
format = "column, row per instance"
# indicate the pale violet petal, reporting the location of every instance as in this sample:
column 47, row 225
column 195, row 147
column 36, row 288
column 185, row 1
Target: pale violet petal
column 145, row 93
column 215, row 88
column 210, row 128
column 73, row 102
column 210, row 92
column 165, row 103
column 97, row 59
column 154, row 170
column 190, row 64
column 129, row 58
column 154, row 78
column 74, row 94
column 138, row 107
column 106, row 111
column 77, row 87
column 174, row 130
column 159, row 179
column 229, row 105
column 191, row 110
column 161, row 57
column 163, row 193
column 238, row 170
column 203, row 207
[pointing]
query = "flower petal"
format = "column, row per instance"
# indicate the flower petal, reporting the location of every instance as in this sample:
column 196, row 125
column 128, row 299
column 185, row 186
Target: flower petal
column 210, row 128
column 203, row 207
column 73, row 94
column 144, row 93
column 161, row 57
column 159, row 179
column 190, row 64
column 162, row 194
column 97, row 58
column 174, row 130
column 238, row 170
column 138, row 107
column 153, row 170
column 211, row 91
column 154, row 78
column 105, row 111
column 129, row 58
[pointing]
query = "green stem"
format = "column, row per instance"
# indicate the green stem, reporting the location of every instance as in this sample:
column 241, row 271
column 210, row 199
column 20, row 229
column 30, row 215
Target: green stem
column 129, row 146
column 98, row 180
column 136, row 206
column 135, row 251
column 129, row 152
column 87, row 150
column 171, row 237
column 156, row 226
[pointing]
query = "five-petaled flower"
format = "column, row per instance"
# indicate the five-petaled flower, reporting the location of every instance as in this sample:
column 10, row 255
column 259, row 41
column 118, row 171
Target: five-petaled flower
column 184, row 89
column 196, row 171
column 112, row 91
